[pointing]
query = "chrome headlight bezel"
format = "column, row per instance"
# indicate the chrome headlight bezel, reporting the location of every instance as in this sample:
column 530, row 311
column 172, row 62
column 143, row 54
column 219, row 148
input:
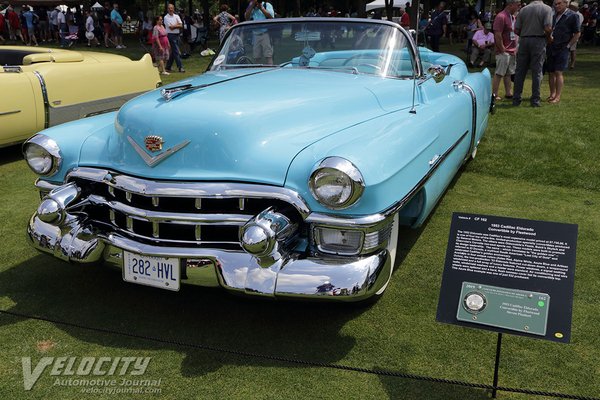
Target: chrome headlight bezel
column 341, row 169
column 41, row 146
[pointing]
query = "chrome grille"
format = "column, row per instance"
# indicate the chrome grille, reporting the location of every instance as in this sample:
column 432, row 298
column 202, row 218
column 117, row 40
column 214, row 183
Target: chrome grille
column 143, row 209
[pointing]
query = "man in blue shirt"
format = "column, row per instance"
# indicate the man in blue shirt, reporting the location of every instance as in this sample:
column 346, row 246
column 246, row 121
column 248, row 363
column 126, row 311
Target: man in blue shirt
column 116, row 21
column 437, row 26
column 256, row 11
column 30, row 17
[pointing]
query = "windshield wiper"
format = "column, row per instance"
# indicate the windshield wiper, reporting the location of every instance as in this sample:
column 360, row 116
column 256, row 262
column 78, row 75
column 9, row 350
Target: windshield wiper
column 234, row 66
column 354, row 70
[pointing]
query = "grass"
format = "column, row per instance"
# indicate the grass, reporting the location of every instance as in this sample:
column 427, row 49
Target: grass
column 533, row 163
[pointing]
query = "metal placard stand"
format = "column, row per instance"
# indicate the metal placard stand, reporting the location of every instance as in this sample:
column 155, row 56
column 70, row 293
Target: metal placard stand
column 509, row 275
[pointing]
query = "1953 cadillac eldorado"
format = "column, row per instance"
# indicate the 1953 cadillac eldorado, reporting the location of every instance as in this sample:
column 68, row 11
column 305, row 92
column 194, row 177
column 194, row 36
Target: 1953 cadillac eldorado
column 281, row 175
column 46, row 87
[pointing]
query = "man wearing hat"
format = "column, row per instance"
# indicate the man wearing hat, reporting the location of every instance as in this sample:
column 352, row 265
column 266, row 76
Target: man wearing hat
column 534, row 27
column 483, row 43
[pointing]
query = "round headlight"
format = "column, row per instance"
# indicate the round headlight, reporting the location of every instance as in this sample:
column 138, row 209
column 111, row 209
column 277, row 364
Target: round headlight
column 42, row 155
column 336, row 183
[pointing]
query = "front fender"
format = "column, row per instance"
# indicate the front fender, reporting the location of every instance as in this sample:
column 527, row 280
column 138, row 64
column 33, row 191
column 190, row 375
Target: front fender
column 392, row 153
column 70, row 138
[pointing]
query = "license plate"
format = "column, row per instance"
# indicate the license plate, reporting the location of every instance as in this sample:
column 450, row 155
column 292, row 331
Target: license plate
column 159, row 272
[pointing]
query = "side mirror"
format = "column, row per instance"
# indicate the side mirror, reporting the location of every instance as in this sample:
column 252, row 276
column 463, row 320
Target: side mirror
column 437, row 72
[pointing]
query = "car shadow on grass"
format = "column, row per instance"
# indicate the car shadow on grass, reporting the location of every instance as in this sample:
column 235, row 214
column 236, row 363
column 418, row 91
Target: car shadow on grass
column 95, row 296
column 10, row 154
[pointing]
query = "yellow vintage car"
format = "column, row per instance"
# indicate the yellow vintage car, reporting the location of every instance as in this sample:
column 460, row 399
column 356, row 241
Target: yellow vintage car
column 42, row 87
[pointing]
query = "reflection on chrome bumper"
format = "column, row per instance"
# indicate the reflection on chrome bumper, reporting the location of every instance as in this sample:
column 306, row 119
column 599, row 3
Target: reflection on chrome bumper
column 328, row 278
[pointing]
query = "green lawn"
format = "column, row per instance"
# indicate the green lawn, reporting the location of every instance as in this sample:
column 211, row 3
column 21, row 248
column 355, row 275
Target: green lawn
column 533, row 163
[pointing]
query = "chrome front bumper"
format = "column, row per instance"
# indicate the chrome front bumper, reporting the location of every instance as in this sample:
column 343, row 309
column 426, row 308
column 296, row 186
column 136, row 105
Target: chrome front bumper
column 329, row 278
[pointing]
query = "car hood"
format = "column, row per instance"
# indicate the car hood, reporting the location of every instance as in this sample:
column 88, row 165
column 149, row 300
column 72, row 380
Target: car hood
column 246, row 125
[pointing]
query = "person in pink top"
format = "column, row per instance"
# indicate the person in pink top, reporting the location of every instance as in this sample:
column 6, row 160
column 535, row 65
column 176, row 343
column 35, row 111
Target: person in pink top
column 506, row 48
column 483, row 42
column 2, row 25
column 160, row 44
column 404, row 19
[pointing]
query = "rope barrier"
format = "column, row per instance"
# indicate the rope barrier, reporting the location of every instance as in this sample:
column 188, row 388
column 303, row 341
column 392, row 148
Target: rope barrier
column 282, row 359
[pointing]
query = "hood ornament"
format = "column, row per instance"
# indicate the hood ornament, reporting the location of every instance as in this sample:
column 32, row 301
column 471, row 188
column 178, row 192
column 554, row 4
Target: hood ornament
column 172, row 92
column 153, row 160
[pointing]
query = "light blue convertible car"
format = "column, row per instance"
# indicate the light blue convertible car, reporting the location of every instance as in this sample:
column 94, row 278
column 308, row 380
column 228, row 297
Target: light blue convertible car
column 284, row 171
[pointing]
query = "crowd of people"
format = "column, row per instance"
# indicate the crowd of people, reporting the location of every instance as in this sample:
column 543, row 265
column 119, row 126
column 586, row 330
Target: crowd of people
column 533, row 37
column 522, row 37
column 63, row 25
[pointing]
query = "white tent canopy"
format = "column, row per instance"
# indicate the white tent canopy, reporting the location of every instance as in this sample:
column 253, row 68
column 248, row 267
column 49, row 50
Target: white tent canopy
column 97, row 6
column 381, row 4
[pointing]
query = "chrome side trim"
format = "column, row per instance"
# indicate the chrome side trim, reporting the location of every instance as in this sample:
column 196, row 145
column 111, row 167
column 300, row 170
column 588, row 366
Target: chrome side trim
column 374, row 220
column 93, row 114
column 59, row 115
column 460, row 85
column 45, row 98
column 9, row 112
column 219, row 190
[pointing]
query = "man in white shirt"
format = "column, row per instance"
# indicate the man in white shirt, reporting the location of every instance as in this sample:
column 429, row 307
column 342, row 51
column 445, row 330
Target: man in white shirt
column 53, row 17
column 89, row 30
column 173, row 25
column 483, row 43
column 62, row 28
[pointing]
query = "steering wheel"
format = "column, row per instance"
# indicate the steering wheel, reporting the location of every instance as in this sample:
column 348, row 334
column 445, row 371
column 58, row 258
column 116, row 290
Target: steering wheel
column 375, row 67
column 244, row 60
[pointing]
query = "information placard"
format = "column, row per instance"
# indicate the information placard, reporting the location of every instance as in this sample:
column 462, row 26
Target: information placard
column 517, row 310
column 501, row 273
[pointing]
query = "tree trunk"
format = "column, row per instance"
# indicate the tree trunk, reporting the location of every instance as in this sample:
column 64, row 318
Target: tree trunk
column 360, row 6
column 389, row 9
column 206, row 11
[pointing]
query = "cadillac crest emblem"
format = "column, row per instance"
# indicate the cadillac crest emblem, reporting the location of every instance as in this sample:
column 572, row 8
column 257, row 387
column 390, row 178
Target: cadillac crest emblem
column 153, row 143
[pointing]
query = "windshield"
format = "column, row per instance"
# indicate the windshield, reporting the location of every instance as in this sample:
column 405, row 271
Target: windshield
column 360, row 47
